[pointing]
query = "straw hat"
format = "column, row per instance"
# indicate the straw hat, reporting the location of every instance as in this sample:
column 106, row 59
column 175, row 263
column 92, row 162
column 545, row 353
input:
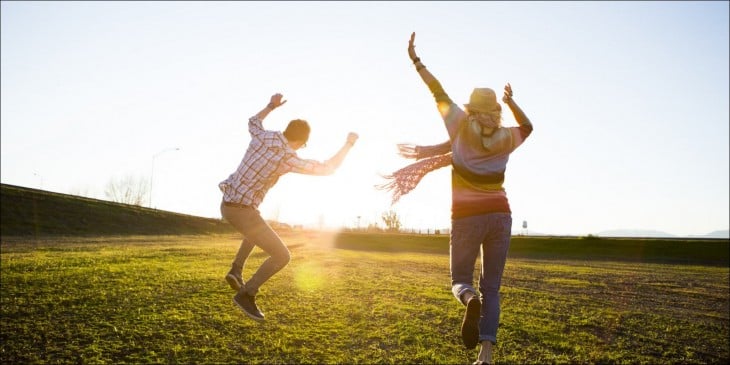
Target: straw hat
column 483, row 100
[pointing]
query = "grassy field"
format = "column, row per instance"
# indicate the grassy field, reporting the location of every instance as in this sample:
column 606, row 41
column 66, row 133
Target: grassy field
column 347, row 299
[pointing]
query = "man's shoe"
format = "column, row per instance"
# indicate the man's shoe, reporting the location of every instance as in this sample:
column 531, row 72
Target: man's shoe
column 247, row 303
column 470, row 324
column 235, row 281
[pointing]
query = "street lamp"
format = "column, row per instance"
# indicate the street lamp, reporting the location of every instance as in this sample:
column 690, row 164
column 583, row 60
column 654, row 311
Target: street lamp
column 152, row 172
column 41, row 177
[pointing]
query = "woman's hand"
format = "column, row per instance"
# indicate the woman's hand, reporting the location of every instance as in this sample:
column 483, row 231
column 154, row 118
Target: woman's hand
column 507, row 93
column 352, row 138
column 412, row 47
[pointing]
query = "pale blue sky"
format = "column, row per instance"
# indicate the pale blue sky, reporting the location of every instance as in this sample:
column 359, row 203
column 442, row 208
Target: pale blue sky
column 629, row 101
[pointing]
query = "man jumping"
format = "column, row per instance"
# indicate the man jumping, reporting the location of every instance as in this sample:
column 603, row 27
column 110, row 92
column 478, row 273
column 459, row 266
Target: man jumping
column 270, row 154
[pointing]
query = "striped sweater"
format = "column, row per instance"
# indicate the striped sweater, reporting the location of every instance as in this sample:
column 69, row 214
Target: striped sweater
column 478, row 162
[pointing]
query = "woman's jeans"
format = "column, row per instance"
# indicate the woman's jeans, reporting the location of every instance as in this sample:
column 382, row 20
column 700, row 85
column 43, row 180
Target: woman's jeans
column 256, row 232
column 491, row 233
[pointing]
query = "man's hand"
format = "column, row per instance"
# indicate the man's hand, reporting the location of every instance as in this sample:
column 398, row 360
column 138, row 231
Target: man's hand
column 352, row 137
column 412, row 47
column 507, row 93
column 276, row 101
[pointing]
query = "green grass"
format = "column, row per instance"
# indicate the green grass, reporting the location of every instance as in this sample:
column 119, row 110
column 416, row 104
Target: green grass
column 162, row 299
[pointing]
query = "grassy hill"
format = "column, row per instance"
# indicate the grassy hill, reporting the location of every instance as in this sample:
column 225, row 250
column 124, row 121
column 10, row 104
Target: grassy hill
column 32, row 212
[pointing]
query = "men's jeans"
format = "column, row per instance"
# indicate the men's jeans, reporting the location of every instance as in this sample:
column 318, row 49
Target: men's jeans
column 491, row 233
column 256, row 232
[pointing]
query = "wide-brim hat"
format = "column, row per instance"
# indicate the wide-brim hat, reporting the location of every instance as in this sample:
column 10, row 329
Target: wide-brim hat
column 483, row 100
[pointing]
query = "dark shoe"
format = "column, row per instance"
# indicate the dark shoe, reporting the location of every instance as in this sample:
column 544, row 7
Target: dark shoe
column 235, row 281
column 247, row 303
column 470, row 324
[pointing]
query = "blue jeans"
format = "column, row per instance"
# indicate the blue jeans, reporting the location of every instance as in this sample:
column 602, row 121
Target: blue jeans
column 256, row 232
column 491, row 233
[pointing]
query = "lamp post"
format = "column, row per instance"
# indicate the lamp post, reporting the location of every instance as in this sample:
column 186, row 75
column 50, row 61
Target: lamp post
column 152, row 172
column 41, row 177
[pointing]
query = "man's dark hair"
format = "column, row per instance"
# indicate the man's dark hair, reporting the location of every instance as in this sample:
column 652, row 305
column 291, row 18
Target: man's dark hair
column 297, row 130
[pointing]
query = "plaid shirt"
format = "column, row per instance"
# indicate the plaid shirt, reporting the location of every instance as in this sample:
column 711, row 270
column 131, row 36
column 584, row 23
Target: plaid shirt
column 267, row 158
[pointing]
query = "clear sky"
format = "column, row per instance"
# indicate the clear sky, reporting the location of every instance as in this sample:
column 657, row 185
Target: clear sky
column 629, row 101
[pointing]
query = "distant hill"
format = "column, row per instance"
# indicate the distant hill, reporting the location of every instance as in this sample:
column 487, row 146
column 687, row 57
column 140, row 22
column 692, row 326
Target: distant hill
column 717, row 234
column 646, row 233
column 31, row 212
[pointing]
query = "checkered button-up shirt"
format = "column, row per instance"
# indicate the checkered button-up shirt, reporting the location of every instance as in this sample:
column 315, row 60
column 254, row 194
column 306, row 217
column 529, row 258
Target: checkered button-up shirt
column 267, row 158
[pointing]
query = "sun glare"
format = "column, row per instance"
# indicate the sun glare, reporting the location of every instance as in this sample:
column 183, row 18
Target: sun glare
column 345, row 199
column 309, row 276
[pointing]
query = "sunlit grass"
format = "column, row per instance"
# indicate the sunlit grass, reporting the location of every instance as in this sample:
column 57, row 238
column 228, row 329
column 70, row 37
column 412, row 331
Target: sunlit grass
column 569, row 282
column 163, row 300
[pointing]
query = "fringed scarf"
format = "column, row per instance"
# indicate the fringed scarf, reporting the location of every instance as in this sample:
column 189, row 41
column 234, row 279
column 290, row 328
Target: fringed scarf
column 429, row 158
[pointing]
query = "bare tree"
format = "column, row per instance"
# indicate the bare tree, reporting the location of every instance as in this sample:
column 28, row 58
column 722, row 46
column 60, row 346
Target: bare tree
column 127, row 190
column 391, row 220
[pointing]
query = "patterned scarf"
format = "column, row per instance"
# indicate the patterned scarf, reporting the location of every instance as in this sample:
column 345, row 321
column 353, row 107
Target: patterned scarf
column 429, row 158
